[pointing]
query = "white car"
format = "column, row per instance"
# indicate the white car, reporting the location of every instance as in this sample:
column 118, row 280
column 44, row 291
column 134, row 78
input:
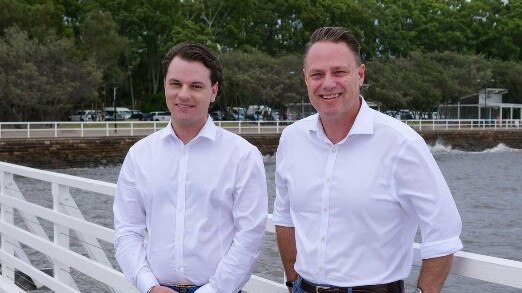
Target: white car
column 160, row 116
column 84, row 115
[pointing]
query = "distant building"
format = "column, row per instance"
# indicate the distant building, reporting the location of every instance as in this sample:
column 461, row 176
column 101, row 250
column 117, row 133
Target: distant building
column 485, row 104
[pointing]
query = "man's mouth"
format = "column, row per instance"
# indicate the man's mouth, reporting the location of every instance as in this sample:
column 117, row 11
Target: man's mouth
column 184, row 105
column 330, row 96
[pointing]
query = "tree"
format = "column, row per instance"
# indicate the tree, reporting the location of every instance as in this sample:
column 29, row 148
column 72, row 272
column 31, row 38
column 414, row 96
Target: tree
column 422, row 81
column 42, row 80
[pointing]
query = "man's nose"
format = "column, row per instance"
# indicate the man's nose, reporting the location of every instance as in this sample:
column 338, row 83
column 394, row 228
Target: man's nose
column 329, row 81
column 184, row 92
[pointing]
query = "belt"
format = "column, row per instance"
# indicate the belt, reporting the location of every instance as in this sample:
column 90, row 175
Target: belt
column 183, row 288
column 393, row 287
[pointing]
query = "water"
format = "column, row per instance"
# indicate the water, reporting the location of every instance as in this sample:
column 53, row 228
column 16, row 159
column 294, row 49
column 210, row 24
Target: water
column 486, row 186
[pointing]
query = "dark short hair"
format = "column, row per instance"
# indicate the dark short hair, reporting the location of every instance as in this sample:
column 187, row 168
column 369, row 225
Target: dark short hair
column 336, row 35
column 195, row 52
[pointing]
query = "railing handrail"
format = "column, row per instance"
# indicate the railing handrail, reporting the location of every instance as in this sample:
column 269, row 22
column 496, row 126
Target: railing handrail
column 481, row 267
column 69, row 129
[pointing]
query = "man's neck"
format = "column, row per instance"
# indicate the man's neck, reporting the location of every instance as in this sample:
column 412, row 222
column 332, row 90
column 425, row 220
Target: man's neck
column 337, row 128
column 187, row 133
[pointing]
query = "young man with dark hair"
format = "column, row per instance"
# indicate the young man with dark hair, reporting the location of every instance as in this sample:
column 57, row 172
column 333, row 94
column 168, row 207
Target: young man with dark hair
column 191, row 202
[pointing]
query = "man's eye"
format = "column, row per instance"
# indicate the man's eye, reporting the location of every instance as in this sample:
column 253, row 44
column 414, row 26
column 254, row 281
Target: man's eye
column 197, row 86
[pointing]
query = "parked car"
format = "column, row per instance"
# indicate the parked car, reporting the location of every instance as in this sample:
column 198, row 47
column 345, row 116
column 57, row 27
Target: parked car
column 217, row 115
column 160, row 116
column 137, row 114
column 234, row 117
column 85, row 115
column 124, row 112
column 110, row 116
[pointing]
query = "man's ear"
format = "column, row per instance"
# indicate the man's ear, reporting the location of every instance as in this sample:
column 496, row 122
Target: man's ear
column 215, row 89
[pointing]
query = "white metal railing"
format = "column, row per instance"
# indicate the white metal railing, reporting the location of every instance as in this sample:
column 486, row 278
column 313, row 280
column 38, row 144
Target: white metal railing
column 66, row 217
column 464, row 124
column 143, row 128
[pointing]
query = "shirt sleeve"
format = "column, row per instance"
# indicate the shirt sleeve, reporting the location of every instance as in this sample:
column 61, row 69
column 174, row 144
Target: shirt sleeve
column 421, row 187
column 281, row 216
column 250, row 212
column 130, row 226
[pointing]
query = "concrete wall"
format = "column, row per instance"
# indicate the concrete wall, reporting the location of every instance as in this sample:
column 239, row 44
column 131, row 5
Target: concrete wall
column 53, row 153
column 91, row 152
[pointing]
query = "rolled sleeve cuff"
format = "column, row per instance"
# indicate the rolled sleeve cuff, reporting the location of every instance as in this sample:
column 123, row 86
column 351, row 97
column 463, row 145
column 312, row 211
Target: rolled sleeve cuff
column 145, row 281
column 282, row 221
column 440, row 248
column 207, row 288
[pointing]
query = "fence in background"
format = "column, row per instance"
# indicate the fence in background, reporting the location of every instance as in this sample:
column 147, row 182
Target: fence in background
column 143, row 128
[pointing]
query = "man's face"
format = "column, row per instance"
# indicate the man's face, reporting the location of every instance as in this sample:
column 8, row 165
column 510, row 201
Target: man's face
column 333, row 80
column 188, row 93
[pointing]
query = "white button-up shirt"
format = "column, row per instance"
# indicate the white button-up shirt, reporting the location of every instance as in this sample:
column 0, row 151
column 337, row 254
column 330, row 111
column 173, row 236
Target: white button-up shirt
column 356, row 205
column 204, row 207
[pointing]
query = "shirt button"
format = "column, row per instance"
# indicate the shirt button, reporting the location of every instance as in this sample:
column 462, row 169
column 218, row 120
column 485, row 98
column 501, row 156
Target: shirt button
column 320, row 269
column 334, row 150
column 323, row 239
column 325, row 209
column 327, row 179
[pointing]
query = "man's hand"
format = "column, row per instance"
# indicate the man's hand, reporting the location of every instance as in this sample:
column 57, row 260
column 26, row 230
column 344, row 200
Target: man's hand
column 161, row 289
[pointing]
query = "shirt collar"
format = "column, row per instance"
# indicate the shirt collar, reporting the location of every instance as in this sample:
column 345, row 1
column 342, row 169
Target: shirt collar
column 209, row 130
column 363, row 123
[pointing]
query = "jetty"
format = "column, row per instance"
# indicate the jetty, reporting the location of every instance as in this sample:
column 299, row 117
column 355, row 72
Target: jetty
column 58, row 236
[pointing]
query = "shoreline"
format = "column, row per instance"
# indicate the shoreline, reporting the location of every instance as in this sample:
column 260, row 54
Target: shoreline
column 56, row 153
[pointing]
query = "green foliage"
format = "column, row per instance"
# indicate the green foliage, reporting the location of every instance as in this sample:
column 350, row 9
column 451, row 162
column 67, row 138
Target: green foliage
column 42, row 80
column 419, row 53
column 256, row 78
column 422, row 81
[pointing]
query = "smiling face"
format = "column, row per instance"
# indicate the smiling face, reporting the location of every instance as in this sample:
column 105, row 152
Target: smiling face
column 188, row 93
column 333, row 79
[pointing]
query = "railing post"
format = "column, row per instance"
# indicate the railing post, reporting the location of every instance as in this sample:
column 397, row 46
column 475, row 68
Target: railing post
column 28, row 130
column 239, row 127
column 7, row 217
column 258, row 126
column 106, row 128
column 81, row 129
column 277, row 126
column 0, row 130
column 55, row 129
column 61, row 234
column 132, row 128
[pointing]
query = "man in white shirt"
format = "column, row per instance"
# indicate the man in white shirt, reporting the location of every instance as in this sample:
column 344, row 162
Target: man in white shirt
column 354, row 184
column 191, row 202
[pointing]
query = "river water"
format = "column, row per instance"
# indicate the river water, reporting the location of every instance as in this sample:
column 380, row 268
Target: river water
column 487, row 187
